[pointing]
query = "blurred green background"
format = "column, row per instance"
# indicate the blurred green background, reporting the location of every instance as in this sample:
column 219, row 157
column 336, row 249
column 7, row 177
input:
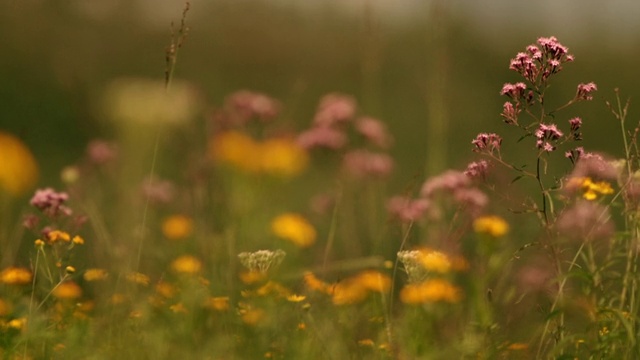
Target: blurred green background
column 432, row 70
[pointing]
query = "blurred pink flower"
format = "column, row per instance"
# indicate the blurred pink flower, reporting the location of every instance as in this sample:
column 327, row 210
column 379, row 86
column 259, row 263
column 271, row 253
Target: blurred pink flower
column 51, row 202
column 586, row 220
column 158, row 191
column 335, row 108
column 245, row 105
column 374, row 131
column 363, row 164
column 406, row 209
column 449, row 181
column 101, row 152
column 322, row 137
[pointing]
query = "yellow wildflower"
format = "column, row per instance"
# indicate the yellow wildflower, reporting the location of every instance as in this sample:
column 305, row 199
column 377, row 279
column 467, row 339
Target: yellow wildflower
column 237, row 149
column 274, row 288
column 67, row 291
column 295, row 228
column 435, row 261
column 16, row 276
column 591, row 190
column 518, row 346
column 17, row 324
column 18, row 167
column 177, row 227
column 429, row 291
column 95, row 274
column 349, row 291
column 252, row 316
column 374, row 281
column 77, row 240
column 186, row 264
column 178, row 308
column 138, row 278
column 70, row 269
column 314, row 283
column 366, row 342
column 165, row 289
column 296, row 298
column 282, row 157
column 219, row 303
column 250, row 277
column 494, row 226
column 56, row 235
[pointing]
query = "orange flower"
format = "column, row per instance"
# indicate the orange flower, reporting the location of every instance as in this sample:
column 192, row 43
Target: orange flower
column 283, row 157
column 430, row 291
column 16, row 276
column 295, row 228
column 177, row 227
column 67, row 291
column 18, row 167
column 186, row 264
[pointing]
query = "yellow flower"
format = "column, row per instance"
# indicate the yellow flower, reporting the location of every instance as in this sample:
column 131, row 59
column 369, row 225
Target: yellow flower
column 95, row 274
column 237, row 149
column 295, row 228
column 56, row 235
column 77, row 240
column 430, row 291
column 18, row 167
column 178, row 308
column 314, row 283
column 177, row 227
column 374, row 281
column 591, row 190
column 219, row 303
column 17, row 324
column 16, row 276
column 349, row 291
column 275, row 288
column 250, row 277
column 252, row 316
column 186, row 264
column 67, row 291
column 283, row 157
column 435, row 261
column 296, row 298
column 138, row 278
column 494, row 226
column 165, row 289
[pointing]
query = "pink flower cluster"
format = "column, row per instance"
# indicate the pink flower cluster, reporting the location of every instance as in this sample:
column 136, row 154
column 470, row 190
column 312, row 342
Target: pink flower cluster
column 546, row 133
column 50, row 202
column 243, row 106
column 487, row 143
column 363, row 164
column 584, row 91
column 455, row 185
column 328, row 131
column 539, row 63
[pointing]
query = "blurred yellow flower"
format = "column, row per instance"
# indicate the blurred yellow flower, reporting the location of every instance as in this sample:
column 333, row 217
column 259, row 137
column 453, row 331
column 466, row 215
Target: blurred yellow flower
column 5, row 308
column 178, row 308
column 219, row 303
column 296, row 298
column 250, row 277
column 295, row 228
column 16, row 276
column 18, row 323
column 591, row 190
column 165, row 289
column 186, row 264
column 237, row 149
column 314, row 283
column 374, row 281
column 273, row 288
column 18, row 167
column 435, row 261
column 355, row 289
column 67, row 291
column 95, row 274
column 138, row 278
column 430, row 291
column 177, row 227
column 57, row 235
column 282, row 157
column 494, row 226
column 252, row 316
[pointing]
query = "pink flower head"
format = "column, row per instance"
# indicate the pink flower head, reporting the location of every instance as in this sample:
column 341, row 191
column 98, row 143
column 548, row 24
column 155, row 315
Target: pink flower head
column 576, row 124
column 514, row 91
column 510, row 113
column 363, row 164
column 158, row 191
column 547, row 133
column 575, row 154
column 406, row 209
column 449, row 181
column 374, row 131
column 487, row 142
column 101, row 152
column 51, row 202
column 594, row 166
column 586, row 220
column 335, row 109
column 551, row 46
column 322, row 137
column 534, row 52
column 472, row 199
column 584, row 91
column 477, row 169
column 245, row 105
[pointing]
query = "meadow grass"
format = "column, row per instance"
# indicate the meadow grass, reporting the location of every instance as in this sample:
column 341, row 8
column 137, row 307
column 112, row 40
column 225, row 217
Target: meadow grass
column 239, row 236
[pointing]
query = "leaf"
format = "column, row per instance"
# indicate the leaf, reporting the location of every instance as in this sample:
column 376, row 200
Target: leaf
column 516, row 179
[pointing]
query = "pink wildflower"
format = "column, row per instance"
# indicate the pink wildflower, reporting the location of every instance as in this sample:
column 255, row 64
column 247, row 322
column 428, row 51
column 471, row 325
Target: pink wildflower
column 545, row 133
column 101, row 152
column 374, row 131
column 406, row 209
column 246, row 105
column 586, row 220
column 322, row 137
column 449, row 181
column 335, row 109
column 509, row 113
column 487, row 142
column 51, row 202
column 584, row 91
column 477, row 169
column 158, row 191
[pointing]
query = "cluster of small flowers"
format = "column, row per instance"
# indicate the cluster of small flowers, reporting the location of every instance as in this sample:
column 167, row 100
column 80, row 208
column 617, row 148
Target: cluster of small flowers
column 477, row 169
column 50, row 202
column 539, row 63
column 546, row 133
column 456, row 184
column 487, row 143
column 412, row 263
column 243, row 106
column 261, row 260
column 329, row 131
column 584, row 91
